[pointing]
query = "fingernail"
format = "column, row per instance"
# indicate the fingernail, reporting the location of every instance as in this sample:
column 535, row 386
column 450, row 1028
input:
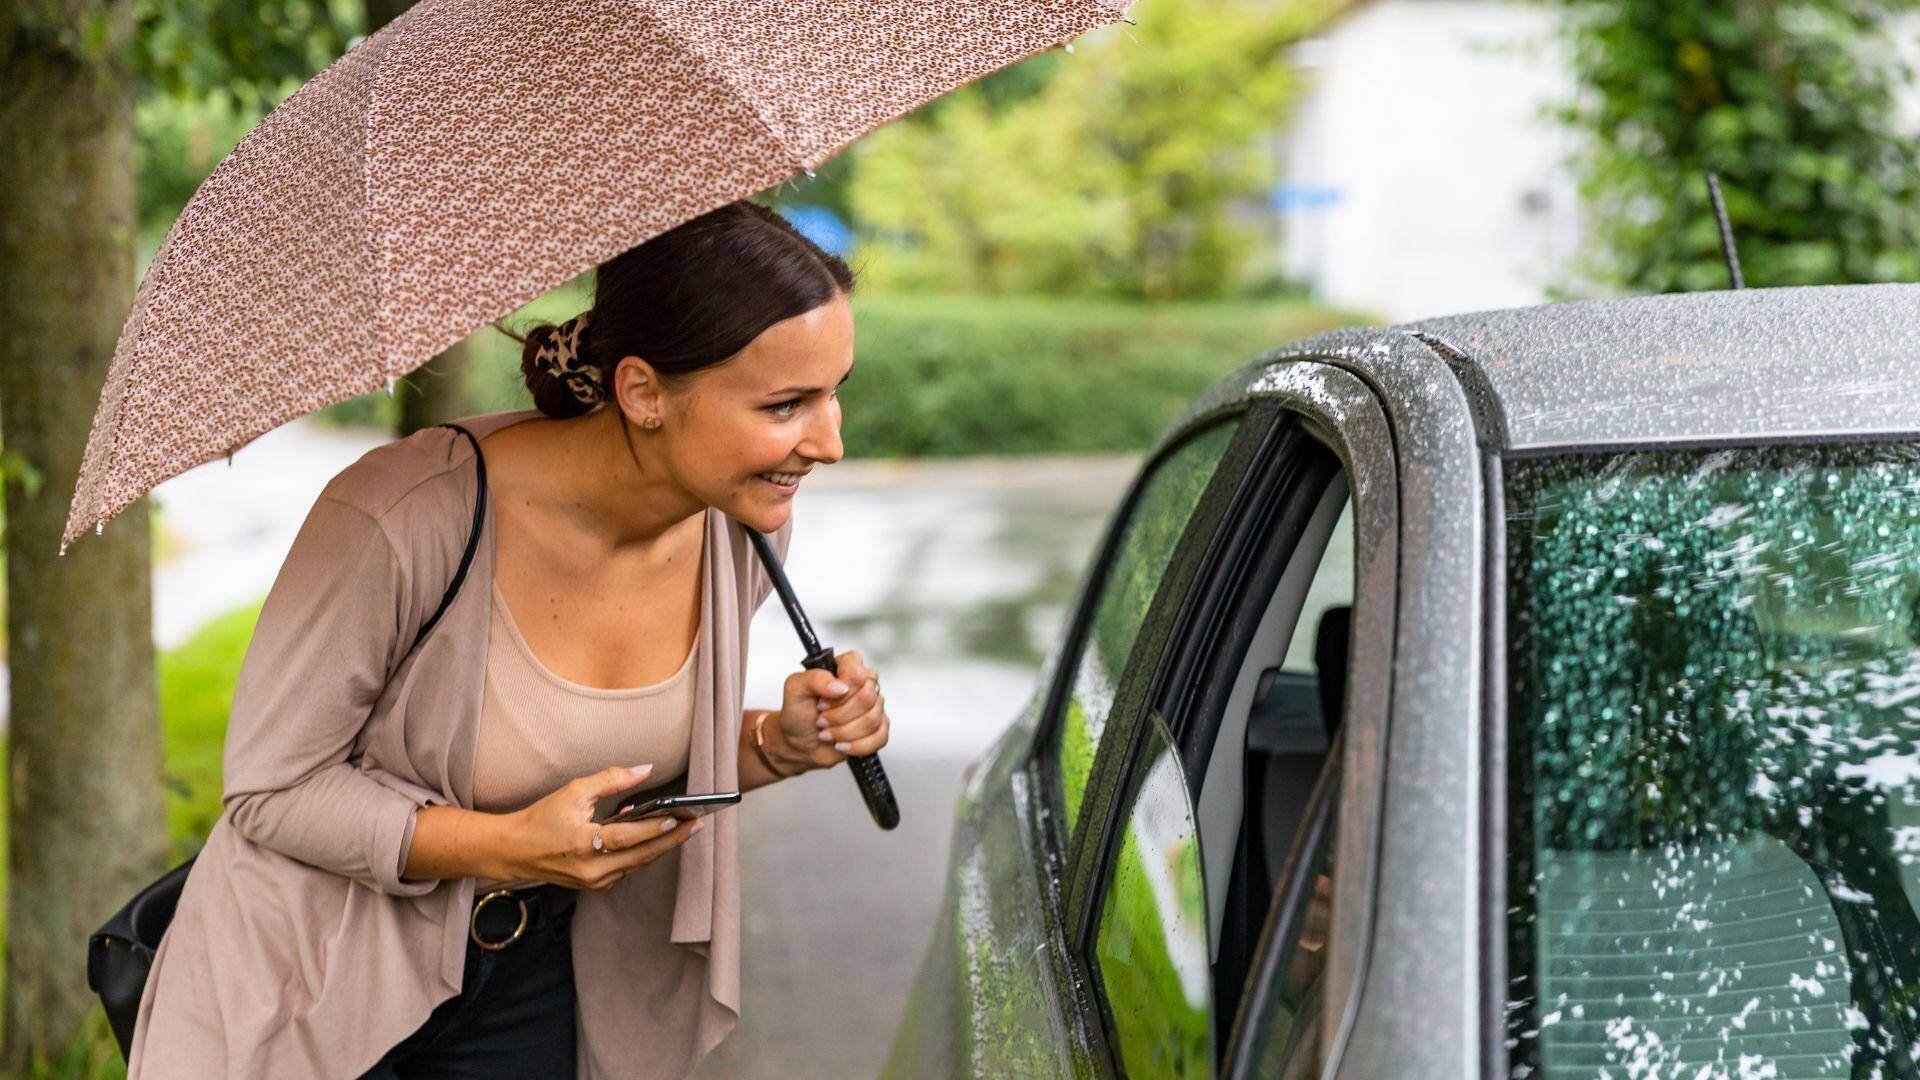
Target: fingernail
column 695, row 827
column 843, row 747
column 670, row 824
column 826, row 736
column 836, row 687
column 641, row 770
column 820, row 723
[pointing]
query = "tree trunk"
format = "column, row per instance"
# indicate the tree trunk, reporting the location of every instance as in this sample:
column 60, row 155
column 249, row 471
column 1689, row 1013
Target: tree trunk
column 86, row 815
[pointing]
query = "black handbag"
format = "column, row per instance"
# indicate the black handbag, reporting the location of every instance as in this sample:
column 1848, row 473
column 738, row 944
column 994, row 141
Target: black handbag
column 120, row 953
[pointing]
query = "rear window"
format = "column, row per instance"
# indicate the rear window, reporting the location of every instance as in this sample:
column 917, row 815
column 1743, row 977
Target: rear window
column 1714, row 789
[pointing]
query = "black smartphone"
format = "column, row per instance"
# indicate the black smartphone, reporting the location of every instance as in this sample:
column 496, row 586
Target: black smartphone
column 680, row 806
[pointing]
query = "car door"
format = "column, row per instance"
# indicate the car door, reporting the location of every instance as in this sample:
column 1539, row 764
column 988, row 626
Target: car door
column 1183, row 598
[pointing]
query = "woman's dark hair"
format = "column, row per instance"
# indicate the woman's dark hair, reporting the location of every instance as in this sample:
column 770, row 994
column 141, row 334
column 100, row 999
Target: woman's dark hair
column 691, row 297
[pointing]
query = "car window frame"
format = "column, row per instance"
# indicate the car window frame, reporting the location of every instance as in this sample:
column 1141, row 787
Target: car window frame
column 1051, row 849
column 1286, row 473
column 1324, row 405
column 1346, row 415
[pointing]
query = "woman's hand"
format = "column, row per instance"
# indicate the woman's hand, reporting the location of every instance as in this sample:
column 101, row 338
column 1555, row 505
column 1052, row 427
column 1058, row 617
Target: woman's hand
column 554, row 837
column 824, row 720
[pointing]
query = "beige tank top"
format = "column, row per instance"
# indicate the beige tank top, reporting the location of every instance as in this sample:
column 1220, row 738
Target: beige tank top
column 538, row 730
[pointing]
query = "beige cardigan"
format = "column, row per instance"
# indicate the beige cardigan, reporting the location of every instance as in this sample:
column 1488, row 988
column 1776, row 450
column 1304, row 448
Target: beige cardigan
column 297, row 949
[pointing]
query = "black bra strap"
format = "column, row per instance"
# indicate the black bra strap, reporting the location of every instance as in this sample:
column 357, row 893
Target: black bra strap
column 473, row 537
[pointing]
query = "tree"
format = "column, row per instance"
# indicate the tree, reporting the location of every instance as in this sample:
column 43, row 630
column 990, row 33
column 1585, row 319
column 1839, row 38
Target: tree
column 1115, row 170
column 86, row 820
column 1792, row 103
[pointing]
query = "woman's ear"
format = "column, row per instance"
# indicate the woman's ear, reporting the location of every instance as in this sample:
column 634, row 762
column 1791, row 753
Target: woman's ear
column 637, row 391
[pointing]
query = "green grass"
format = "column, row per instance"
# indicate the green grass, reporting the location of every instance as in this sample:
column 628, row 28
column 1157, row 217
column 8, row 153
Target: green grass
column 943, row 376
column 196, row 693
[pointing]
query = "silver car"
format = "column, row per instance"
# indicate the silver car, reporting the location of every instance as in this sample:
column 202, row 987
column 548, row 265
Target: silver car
column 1528, row 693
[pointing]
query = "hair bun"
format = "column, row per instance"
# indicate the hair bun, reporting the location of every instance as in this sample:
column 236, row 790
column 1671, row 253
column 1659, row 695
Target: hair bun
column 562, row 376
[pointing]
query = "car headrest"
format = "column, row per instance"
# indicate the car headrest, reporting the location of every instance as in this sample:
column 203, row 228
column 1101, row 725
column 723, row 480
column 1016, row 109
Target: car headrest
column 1330, row 662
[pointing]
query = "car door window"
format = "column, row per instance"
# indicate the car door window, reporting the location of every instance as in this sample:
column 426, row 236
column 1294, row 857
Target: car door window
column 1283, row 1017
column 1150, row 950
column 1714, row 804
column 1151, row 534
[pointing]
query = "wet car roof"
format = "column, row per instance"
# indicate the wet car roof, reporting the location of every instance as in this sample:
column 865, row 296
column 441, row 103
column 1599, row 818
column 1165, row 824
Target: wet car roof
column 1740, row 365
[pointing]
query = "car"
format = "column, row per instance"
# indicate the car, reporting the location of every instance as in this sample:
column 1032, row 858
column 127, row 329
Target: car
column 1528, row 693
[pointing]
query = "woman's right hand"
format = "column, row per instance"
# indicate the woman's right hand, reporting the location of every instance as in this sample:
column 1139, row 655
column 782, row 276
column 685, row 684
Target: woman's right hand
column 554, row 836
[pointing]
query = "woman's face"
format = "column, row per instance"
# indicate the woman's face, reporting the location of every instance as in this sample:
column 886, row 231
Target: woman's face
column 772, row 408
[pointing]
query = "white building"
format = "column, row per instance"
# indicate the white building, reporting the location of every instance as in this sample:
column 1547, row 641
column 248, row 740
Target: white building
column 1422, row 176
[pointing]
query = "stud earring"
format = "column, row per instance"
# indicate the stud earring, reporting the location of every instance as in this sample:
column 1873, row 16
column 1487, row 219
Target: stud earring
column 653, row 422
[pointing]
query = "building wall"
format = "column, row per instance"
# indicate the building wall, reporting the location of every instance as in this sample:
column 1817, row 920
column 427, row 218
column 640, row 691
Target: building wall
column 1421, row 177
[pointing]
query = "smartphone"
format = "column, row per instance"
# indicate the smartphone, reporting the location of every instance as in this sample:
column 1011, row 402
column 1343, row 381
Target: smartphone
column 680, row 806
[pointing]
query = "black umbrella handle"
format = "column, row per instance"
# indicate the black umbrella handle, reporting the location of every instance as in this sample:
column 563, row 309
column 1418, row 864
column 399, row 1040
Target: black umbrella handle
column 867, row 772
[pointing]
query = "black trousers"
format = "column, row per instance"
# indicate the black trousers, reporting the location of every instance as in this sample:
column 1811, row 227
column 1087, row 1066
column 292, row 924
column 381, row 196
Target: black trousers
column 513, row 1016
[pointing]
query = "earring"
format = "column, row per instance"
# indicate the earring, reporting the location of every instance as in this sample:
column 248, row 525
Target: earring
column 653, row 422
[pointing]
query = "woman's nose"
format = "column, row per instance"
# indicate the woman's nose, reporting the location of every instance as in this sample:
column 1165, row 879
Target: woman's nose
column 822, row 443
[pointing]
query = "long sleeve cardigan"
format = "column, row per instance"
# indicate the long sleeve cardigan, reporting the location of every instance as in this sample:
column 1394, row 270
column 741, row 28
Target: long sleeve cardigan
column 298, row 950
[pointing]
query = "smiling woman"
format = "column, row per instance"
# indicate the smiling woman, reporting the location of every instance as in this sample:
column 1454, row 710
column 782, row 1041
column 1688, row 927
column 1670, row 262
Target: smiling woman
column 407, row 878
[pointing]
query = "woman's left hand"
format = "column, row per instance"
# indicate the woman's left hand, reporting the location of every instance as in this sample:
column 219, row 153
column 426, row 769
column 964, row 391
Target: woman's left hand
column 823, row 728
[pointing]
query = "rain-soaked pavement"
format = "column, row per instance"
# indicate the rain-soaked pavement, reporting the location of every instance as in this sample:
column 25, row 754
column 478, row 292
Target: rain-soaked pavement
column 951, row 578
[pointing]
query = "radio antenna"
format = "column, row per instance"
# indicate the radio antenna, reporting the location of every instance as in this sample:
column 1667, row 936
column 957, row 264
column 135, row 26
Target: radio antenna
column 1726, row 229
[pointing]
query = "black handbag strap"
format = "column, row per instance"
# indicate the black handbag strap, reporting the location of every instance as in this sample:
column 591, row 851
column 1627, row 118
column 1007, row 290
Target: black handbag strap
column 473, row 537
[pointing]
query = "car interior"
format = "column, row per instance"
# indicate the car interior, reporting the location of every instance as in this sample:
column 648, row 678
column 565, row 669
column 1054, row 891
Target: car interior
column 1274, row 742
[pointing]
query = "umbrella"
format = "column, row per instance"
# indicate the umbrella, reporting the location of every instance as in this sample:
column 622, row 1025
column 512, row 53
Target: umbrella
column 470, row 156
column 474, row 154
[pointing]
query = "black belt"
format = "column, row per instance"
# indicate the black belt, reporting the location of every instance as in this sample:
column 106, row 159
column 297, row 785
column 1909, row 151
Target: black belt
column 501, row 916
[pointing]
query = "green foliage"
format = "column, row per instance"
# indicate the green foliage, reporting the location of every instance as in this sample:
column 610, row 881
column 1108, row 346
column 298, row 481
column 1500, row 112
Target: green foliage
column 258, row 51
column 1114, row 171
column 942, row 376
column 1792, row 102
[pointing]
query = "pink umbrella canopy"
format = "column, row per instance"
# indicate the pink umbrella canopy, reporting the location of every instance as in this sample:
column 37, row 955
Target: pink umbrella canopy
column 471, row 156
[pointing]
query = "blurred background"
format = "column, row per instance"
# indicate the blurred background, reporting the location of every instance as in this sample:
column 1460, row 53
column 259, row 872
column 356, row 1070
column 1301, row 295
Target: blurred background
column 1054, row 260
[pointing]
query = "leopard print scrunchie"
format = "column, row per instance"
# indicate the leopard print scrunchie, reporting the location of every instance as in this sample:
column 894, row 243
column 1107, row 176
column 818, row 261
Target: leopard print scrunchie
column 560, row 357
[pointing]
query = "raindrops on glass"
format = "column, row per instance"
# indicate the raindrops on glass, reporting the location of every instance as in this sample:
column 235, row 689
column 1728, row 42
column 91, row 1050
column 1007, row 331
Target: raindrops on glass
column 1715, row 722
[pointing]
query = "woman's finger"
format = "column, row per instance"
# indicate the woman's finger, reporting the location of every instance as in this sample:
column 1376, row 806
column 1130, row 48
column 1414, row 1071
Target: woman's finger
column 873, row 742
column 626, row 834
column 850, row 667
column 614, row 865
column 859, row 727
column 861, row 700
column 612, row 780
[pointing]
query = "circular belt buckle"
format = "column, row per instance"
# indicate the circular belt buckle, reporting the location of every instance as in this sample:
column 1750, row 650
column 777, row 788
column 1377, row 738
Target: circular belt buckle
column 473, row 923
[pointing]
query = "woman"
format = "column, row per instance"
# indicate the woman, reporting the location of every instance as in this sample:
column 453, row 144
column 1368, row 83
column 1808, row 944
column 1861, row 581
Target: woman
column 405, row 881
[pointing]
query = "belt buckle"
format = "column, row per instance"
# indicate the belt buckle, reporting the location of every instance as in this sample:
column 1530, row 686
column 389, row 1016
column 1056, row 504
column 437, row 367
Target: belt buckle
column 473, row 923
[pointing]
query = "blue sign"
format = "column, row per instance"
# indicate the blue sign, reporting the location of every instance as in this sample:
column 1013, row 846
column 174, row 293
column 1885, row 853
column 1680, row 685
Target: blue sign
column 822, row 226
column 1292, row 198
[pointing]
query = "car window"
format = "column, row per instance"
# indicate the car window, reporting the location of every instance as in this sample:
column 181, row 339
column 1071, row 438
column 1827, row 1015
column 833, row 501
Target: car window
column 1151, row 534
column 1331, row 587
column 1150, row 951
column 1283, row 1036
column 1714, row 737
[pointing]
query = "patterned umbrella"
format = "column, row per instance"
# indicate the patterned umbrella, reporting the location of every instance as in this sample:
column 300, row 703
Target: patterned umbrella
column 474, row 154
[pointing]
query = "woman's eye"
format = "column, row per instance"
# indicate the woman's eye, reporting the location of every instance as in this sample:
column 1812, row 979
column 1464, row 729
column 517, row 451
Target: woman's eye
column 784, row 408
